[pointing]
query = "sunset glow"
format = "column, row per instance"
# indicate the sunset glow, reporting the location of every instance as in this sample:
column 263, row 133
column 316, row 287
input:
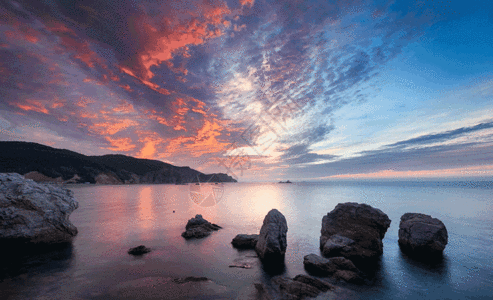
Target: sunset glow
column 266, row 89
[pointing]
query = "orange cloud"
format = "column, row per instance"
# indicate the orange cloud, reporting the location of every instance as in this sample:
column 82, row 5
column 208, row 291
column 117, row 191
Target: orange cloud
column 147, row 83
column 120, row 144
column 81, row 49
column 113, row 126
column 126, row 87
column 33, row 105
column 152, row 143
column 172, row 36
column 124, row 107
column 247, row 2
column 84, row 102
column 57, row 104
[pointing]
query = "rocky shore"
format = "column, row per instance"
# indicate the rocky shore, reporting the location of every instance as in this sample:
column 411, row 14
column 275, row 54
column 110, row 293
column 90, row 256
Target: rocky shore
column 350, row 240
column 33, row 213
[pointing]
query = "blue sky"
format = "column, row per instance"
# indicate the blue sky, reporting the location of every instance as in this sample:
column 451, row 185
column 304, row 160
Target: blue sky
column 263, row 90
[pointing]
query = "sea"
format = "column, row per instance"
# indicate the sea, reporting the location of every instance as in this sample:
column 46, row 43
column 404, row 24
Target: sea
column 113, row 218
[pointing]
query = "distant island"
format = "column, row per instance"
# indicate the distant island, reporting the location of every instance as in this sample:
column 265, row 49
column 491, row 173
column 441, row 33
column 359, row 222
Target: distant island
column 46, row 164
column 287, row 181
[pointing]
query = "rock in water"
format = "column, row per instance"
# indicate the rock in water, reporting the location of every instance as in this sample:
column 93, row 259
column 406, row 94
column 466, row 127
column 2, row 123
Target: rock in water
column 271, row 245
column 354, row 231
column 422, row 235
column 198, row 228
column 245, row 241
column 337, row 267
column 139, row 250
column 34, row 213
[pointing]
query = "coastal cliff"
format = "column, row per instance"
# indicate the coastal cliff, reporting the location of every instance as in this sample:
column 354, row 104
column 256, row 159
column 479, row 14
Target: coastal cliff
column 46, row 164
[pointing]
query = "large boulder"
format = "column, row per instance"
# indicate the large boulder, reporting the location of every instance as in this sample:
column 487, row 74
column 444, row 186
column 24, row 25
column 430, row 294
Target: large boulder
column 336, row 267
column 245, row 241
column 34, row 213
column 354, row 231
column 422, row 235
column 198, row 228
column 272, row 243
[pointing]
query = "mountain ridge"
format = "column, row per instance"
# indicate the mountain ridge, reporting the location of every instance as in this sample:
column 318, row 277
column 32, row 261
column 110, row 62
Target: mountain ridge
column 47, row 164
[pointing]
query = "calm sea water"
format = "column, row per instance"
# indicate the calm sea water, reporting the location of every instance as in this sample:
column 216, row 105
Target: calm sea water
column 111, row 219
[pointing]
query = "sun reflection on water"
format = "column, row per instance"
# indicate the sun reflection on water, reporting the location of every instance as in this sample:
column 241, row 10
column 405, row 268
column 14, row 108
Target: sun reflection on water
column 146, row 210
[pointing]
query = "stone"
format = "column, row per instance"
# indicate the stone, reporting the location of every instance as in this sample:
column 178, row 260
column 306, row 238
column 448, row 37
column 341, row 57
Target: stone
column 245, row 241
column 198, row 228
column 319, row 284
column 272, row 242
column 34, row 213
column 139, row 250
column 354, row 231
column 422, row 235
column 336, row 267
column 293, row 289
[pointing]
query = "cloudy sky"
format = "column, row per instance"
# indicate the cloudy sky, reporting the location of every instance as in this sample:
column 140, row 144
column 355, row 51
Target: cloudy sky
column 258, row 89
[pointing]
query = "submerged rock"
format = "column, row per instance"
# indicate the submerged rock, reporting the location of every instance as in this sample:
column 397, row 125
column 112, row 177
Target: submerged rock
column 34, row 213
column 245, row 241
column 139, row 250
column 300, row 287
column 272, row 243
column 198, row 228
column 354, row 231
column 336, row 267
column 422, row 235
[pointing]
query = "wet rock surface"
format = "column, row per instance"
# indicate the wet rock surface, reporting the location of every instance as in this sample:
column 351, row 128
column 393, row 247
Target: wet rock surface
column 421, row 235
column 198, row 228
column 284, row 288
column 34, row 213
column 272, row 241
column 245, row 241
column 335, row 267
column 354, row 231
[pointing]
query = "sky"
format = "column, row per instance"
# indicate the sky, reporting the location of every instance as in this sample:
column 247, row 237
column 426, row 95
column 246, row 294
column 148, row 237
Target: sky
column 262, row 90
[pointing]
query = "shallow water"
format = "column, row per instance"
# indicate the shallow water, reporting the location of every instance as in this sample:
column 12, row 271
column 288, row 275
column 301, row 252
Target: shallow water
column 112, row 219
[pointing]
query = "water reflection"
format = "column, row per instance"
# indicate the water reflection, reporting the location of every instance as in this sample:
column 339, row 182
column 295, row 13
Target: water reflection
column 146, row 211
column 41, row 259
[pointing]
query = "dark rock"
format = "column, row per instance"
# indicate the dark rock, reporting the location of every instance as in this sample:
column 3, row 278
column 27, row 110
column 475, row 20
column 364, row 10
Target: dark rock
column 292, row 289
column 422, row 235
column 337, row 267
column 319, row 284
column 34, row 213
column 272, row 243
column 198, row 227
column 189, row 279
column 139, row 250
column 245, row 241
column 354, row 231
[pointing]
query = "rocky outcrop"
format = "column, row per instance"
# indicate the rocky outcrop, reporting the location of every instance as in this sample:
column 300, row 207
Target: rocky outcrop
column 354, row 231
column 422, row 235
column 272, row 242
column 59, row 165
column 198, row 228
column 245, row 241
column 139, row 250
column 107, row 178
column 34, row 213
column 336, row 267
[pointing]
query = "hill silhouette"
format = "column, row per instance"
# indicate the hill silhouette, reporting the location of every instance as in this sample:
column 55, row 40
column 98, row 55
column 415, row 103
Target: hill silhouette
column 44, row 163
